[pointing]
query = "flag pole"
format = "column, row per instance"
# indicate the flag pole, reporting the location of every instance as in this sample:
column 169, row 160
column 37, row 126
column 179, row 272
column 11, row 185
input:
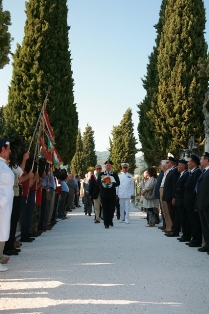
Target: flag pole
column 45, row 101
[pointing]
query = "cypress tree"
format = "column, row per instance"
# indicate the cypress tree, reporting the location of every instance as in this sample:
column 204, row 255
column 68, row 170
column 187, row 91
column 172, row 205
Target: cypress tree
column 2, row 122
column 44, row 60
column 116, row 148
column 77, row 163
column 181, row 90
column 5, row 37
column 89, row 152
column 146, row 127
column 204, row 67
column 123, row 145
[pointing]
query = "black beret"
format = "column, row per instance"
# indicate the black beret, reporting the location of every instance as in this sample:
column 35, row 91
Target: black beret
column 182, row 161
column 108, row 162
column 195, row 159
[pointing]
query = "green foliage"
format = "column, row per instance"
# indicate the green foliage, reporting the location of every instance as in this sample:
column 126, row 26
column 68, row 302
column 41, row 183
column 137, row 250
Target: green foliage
column 181, row 90
column 172, row 110
column 2, row 122
column 77, row 163
column 5, row 37
column 89, row 152
column 147, row 108
column 44, row 60
column 123, row 144
column 203, row 65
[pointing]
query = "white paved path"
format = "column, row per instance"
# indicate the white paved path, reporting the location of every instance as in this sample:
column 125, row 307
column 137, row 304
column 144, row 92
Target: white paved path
column 81, row 267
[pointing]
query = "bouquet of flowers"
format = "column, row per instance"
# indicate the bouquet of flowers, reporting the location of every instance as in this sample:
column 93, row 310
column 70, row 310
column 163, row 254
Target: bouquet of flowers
column 107, row 181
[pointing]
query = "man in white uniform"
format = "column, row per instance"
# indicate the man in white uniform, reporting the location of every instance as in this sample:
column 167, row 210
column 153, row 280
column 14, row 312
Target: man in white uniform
column 125, row 191
column 6, row 198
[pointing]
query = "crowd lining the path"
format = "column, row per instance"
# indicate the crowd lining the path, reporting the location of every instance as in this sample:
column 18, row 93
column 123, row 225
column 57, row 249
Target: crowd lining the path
column 34, row 196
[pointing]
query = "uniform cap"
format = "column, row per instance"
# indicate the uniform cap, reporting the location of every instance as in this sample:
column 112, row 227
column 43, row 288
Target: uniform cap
column 172, row 159
column 124, row 164
column 4, row 141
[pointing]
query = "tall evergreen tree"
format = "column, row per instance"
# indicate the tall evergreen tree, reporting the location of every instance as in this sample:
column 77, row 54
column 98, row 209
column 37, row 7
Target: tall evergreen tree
column 181, row 90
column 116, row 148
column 146, row 127
column 89, row 152
column 44, row 60
column 123, row 147
column 204, row 67
column 2, row 122
column 78, row 162
column 5, row 37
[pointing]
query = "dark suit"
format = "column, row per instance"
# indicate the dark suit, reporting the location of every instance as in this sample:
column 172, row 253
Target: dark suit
column 202, row 204
column 157, row 196
column 179, row 197
column 168, row 195
column 189, row 205
column 108, row 197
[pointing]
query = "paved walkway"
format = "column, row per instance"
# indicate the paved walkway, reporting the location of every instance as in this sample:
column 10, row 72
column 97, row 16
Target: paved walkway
column 81, row 267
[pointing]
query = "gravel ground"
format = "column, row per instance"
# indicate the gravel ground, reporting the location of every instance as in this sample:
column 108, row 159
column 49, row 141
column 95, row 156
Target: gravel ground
column 81, row 267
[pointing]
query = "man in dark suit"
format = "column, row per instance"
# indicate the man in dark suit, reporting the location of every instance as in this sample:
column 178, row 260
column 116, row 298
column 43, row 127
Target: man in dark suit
column 189, row 202
column 108, row 192
column 157, row 196
column 179, row 201
column 202, row 200
column 168, row 195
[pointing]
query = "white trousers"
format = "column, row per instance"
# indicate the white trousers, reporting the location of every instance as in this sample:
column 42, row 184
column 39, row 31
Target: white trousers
column 124, row 209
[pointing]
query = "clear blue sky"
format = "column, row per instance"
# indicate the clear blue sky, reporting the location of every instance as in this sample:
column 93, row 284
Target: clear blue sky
column 110, row 42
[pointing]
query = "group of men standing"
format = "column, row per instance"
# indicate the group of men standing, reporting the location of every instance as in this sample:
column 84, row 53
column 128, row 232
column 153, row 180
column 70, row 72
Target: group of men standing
column 105, row 187
column 184, row 200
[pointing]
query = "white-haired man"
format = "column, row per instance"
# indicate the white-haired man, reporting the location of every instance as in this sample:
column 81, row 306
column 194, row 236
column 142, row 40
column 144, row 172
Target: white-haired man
column 125, row 191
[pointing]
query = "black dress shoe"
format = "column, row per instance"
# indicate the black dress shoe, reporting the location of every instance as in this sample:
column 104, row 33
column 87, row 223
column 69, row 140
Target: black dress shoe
column 194, row 244
column 203, row 249
column 26, row 240
column 18, row 250
column 172, row 235
column 35, row 235
column 106, row 227
column 183, row 239
column 188, row 243
column 11, row 252
column 111, row 224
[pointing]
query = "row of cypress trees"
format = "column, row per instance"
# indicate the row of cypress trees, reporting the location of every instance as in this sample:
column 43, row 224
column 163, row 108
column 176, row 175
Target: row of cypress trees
column 171, row 111
column 122, row 147
column 43, row 59
column 169, row 114
column 85, row 157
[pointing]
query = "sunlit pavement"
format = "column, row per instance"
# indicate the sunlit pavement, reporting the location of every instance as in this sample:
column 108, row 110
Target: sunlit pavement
column 81, row 267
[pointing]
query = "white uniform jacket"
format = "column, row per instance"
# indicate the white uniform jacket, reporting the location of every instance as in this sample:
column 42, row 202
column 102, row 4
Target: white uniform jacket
column 126, row 187
column 6, row 199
